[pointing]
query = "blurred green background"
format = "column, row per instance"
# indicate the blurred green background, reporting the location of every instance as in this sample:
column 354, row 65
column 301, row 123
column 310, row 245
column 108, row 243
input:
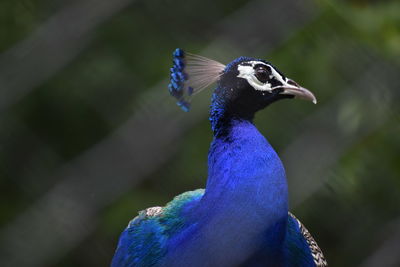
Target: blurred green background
column 89, row 135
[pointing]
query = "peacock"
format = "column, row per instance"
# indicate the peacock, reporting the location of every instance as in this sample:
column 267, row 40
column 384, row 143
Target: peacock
column 241, row 218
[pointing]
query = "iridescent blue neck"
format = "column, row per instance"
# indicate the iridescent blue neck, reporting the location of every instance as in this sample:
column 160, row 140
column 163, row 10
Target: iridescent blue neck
column 240, row 156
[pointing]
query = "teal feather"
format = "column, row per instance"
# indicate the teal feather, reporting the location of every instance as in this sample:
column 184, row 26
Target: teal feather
column 148, row 233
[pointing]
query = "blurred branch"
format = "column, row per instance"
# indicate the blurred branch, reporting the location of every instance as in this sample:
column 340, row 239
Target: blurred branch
column 51, row 47
column 66, row 215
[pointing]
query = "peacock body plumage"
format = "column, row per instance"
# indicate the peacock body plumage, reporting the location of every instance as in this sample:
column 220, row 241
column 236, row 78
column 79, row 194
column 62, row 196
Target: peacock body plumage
column 241, row 218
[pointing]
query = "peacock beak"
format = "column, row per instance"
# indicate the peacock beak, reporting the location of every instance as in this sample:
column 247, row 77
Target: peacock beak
column 290, row 87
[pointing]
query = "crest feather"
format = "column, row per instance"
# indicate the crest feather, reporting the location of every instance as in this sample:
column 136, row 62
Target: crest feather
column 190, row 74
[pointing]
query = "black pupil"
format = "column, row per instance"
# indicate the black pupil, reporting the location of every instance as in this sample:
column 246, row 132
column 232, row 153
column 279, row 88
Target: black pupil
column 262, row 74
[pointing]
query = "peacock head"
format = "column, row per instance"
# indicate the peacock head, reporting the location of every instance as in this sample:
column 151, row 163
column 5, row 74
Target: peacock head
column 244, row 85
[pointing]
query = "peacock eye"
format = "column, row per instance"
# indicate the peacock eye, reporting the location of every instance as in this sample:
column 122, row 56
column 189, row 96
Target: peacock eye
column 261, row 74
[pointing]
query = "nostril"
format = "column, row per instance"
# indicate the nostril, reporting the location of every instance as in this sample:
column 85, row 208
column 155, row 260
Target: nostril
column 291, row 82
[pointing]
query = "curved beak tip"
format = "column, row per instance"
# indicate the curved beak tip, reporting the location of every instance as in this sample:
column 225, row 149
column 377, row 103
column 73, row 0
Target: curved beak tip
column 306, row 94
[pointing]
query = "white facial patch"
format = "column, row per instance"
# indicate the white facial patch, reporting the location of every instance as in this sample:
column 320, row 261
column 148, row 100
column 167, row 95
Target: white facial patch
column 246, row 71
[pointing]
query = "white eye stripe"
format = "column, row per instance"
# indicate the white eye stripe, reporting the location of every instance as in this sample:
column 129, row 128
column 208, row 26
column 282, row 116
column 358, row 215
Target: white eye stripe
column 247, row 72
